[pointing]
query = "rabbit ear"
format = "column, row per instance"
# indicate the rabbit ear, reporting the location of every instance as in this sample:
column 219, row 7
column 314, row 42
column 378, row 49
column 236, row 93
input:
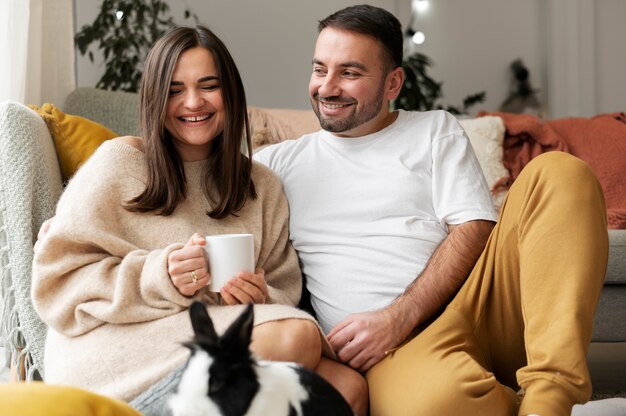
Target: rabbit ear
column 240, row 332
column 201, row 321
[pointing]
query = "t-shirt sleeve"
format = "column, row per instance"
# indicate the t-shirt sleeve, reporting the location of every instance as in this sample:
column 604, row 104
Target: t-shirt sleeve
column 277, row 156
column 460, row 191
column 264, row 156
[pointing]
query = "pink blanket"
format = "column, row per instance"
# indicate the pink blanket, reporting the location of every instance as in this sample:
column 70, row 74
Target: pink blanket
column 600, row 141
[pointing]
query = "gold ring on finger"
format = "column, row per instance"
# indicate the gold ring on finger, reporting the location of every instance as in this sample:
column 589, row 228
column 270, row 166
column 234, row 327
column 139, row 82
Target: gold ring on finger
column 194, row 277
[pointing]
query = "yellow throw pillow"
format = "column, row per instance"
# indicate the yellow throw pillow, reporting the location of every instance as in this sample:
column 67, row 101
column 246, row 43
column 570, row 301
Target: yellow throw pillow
column 75, row 138
column 40, row 399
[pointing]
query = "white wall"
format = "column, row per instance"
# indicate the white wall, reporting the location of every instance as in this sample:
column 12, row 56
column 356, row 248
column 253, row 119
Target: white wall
column 472, row 44
column 610, row 32
column 272, row 41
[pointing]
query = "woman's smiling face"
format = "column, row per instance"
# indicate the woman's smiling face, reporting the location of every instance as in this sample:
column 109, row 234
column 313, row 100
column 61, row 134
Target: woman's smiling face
column 195, row 106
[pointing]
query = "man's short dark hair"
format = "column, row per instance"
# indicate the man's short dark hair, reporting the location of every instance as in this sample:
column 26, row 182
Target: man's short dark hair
column 371, row 21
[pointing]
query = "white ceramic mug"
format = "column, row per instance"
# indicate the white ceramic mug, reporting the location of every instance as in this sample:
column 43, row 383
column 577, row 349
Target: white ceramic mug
column 228, row 254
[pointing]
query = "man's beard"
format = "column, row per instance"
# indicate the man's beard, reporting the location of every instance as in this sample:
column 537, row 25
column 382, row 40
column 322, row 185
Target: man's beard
column 353, row 119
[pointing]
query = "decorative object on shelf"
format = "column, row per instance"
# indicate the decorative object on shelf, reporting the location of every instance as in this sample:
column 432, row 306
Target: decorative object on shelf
column 522, row 98
column 420, row 92
column 125, row 30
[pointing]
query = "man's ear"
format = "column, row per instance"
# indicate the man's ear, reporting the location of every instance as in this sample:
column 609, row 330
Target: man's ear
column 394, row 82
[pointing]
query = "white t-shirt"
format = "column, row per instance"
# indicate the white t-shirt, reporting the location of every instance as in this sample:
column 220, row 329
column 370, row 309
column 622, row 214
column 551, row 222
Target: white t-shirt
column 367, row 213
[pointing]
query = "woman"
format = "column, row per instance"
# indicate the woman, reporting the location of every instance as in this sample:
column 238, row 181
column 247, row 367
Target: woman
column 123, row 259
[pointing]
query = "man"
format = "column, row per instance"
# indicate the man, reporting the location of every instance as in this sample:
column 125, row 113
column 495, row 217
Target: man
column 393, row 222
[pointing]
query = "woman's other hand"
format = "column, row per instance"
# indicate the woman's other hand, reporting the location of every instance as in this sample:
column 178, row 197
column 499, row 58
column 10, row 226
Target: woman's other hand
column 246, row 287
column 187, row 266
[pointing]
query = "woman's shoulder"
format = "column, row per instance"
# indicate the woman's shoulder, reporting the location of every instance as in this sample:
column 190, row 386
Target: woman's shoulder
column 119, row 153
column 132, row 141
column 111, row 165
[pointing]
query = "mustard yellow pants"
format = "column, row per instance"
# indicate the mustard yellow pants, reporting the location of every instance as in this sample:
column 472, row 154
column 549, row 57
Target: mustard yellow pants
column 524, row 316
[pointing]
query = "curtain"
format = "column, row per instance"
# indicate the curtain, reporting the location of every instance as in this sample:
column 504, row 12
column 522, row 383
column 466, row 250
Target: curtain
column 36, row 50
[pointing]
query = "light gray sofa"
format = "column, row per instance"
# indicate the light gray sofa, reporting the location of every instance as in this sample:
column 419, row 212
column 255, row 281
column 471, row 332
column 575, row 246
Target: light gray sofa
column 30, row 184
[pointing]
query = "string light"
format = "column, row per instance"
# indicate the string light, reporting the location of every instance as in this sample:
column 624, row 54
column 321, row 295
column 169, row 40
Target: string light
column 417, row 7
column 418, row 38
column 420, row 5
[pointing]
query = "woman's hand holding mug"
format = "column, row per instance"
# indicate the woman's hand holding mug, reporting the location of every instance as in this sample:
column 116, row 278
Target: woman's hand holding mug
column 246, row 287
column 187, row 266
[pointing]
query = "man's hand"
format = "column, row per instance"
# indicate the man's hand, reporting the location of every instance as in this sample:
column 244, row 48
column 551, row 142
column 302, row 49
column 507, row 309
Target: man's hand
column 42, row 233
column 362, row 339
column 245, row 288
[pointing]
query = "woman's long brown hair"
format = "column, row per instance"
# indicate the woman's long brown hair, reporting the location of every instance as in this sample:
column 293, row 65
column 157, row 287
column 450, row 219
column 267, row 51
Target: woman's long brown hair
column 228, row 169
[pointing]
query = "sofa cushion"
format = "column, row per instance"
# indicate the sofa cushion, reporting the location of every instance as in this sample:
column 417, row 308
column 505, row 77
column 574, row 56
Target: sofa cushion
column 274, row 125
column 75, row 138
column 117, row 110
column 616, row 269
column 36, row 399
column 487, row 135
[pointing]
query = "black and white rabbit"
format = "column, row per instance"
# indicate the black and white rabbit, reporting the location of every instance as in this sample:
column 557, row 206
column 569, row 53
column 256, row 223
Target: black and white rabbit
column 223, row 378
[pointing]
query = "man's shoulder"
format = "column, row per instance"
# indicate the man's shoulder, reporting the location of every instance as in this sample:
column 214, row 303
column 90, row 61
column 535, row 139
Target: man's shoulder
column 435, row 123
column 278, row 153
column 437, row 117
column 263, row 174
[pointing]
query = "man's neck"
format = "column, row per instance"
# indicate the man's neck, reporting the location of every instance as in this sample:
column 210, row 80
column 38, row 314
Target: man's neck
column 372, row 126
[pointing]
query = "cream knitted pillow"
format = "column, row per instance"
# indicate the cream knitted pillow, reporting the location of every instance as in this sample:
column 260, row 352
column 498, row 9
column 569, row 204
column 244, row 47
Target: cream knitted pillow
column 487, row 136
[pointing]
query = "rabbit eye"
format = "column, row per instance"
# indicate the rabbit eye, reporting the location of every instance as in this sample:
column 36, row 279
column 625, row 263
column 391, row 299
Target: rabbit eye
column 215, row 386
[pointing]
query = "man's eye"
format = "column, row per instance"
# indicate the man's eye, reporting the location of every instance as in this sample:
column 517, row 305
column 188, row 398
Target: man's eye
column 174, row 92
column 351, row 74
column 319, row 71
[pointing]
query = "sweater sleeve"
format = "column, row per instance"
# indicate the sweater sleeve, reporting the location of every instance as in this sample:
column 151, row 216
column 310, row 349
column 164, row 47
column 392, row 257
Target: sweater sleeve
column 87, row 271
column 277, row 256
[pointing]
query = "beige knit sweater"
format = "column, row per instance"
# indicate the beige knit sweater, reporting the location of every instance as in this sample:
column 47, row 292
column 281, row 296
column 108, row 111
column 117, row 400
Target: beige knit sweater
column 100, row 281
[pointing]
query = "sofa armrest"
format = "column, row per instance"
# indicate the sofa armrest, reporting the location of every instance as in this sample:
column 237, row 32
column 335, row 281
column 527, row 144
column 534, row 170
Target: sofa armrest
column 30, row 185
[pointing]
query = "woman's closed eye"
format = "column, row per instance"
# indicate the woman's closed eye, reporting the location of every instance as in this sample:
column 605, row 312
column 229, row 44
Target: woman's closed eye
column 212, row 87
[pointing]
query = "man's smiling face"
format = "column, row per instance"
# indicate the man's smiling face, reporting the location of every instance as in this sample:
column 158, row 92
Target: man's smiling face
column 349, row 86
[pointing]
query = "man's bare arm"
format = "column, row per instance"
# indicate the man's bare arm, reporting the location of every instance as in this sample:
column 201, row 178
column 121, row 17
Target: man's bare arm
column 361, row 339
column 443, row 276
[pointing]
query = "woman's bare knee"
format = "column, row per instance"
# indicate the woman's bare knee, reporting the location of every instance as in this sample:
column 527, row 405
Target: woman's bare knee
column 350, row 383
column 296, row 340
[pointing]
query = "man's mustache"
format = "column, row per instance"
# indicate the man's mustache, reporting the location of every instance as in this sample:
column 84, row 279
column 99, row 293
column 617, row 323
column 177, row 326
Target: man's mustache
column 335, row 99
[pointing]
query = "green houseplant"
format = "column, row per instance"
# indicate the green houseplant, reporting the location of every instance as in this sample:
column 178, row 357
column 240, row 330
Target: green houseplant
column 125, row 30
column 421, row 93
